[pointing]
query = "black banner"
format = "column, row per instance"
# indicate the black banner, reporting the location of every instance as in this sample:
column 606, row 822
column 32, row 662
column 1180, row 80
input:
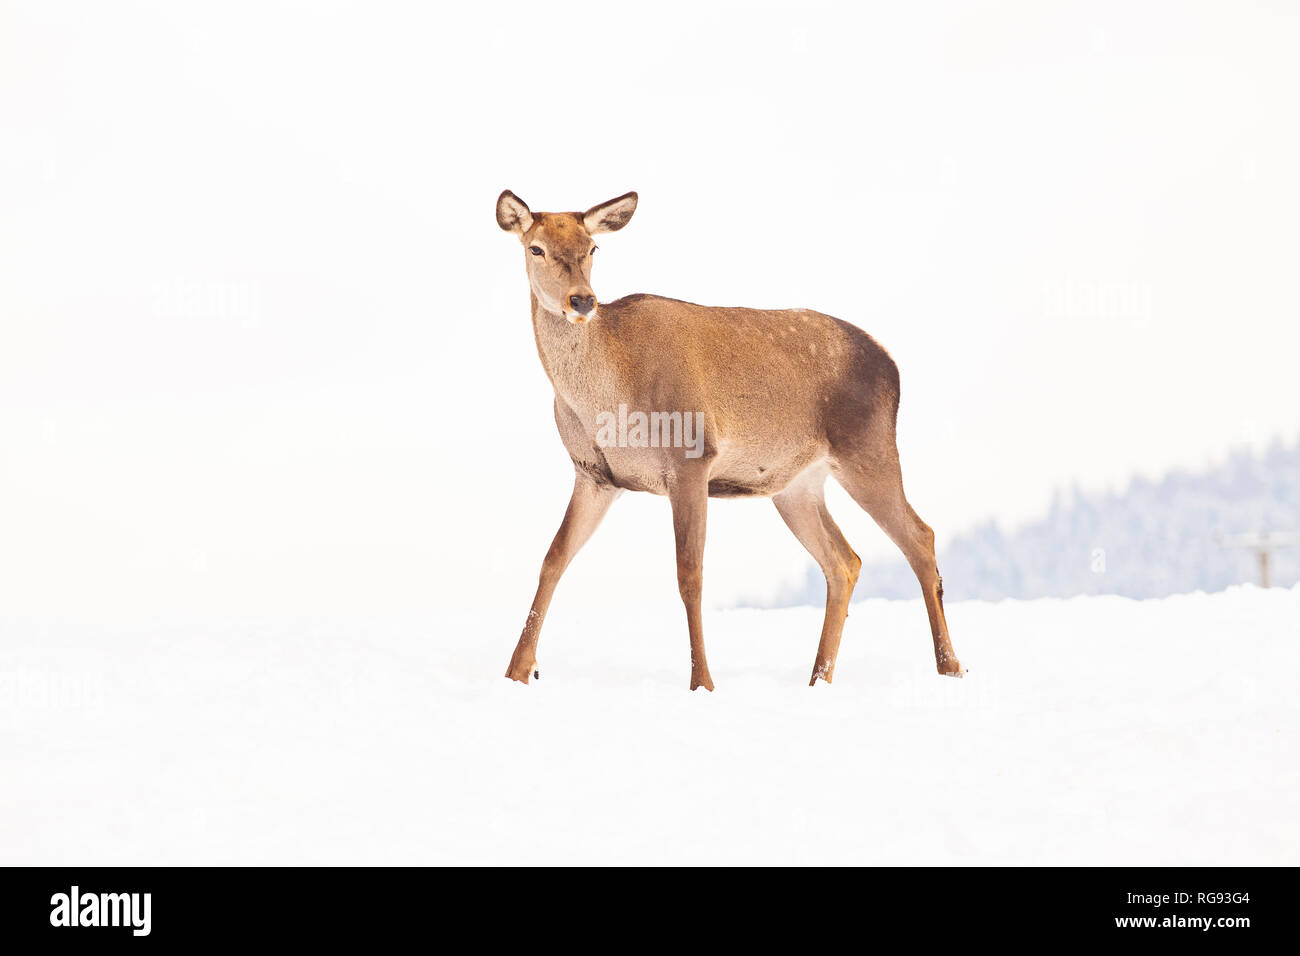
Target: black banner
column 97, row 908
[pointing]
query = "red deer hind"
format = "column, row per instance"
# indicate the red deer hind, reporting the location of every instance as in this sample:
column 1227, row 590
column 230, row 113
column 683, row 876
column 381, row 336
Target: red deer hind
column 780, row 399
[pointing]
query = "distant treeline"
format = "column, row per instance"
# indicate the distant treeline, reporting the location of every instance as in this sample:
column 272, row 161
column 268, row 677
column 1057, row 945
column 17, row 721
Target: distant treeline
column 1150, row 540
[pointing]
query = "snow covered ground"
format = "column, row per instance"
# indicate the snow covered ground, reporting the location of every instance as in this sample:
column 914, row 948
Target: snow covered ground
column 1093, row 730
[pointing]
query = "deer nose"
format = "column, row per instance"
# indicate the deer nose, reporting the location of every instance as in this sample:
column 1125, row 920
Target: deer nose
column 582, row 304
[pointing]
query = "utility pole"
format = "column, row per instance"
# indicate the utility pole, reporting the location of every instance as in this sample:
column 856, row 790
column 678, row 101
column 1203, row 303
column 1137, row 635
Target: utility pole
column 1263, row 543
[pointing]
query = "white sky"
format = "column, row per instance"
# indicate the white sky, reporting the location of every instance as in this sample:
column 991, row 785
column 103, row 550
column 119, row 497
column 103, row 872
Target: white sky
column 263, row 346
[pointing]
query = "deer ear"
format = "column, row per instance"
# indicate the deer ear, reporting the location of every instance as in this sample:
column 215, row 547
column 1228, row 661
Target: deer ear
column 610, row 216
column 513, row 214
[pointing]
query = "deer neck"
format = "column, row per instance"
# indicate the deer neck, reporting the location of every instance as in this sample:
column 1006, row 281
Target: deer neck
column 569, row 354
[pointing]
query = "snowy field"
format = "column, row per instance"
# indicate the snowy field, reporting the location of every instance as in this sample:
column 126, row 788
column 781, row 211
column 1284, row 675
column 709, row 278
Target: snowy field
column 1094, row 730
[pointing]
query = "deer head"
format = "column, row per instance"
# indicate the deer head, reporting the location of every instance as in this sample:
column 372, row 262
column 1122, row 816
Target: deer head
column 558, row 250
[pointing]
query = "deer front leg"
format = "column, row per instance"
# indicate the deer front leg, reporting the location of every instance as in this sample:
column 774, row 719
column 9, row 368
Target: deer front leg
column 689, row 496
column 587, row 507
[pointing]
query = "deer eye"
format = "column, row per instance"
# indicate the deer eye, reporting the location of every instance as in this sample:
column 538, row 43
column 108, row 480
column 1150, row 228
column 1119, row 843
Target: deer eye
column 593, row 250
column 536, row 250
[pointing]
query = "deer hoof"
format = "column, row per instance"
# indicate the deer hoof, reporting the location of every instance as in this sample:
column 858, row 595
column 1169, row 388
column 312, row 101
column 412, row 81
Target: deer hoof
column 521, row 672
column 823, row 672
column 953, row 669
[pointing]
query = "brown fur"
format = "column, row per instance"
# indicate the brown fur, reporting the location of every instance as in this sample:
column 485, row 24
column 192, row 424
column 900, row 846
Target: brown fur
column 788, row 397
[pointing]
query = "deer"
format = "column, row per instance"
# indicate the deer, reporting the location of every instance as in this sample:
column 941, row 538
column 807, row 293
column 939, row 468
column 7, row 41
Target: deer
column 785, row 399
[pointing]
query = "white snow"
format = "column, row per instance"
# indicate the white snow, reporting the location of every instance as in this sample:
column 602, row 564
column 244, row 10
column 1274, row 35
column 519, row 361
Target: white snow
column 1092, row 730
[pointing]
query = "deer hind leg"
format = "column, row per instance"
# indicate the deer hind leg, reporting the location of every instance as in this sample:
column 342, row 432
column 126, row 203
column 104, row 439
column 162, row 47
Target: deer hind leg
column 877, row 485
column 689, row 496
column 586, row 509
column 803, row 508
